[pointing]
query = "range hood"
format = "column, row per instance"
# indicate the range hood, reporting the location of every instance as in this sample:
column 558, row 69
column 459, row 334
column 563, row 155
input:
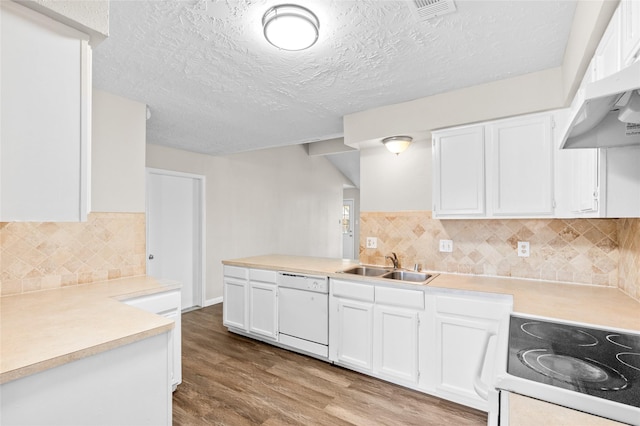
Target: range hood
column 606, row 113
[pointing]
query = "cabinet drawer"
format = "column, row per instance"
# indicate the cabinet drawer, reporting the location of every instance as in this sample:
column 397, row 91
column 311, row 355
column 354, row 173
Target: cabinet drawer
column 351, row 290
column 236, row 272
column 490, row 309
column 400, row 297
column 157, row 303
column 262, row 275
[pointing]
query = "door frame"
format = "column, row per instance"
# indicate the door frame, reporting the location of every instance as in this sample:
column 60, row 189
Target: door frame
column 353, row 228
column 199, row 287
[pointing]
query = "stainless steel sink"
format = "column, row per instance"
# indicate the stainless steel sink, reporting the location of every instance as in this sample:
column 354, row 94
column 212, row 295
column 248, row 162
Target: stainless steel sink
column 366, row 271
column 416, row 277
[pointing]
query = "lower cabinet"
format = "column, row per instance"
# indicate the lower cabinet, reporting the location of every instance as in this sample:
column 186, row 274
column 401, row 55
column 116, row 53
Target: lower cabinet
column 466, row 332
column 250, row 301
column 396, row 343
column 168, row 304
column 351, row 324
column 263, row 303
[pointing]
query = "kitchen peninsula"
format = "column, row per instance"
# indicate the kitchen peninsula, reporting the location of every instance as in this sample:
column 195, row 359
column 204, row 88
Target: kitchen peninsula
column 84, row 341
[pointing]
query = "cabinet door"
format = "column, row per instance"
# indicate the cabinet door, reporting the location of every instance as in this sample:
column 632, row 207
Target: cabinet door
column 45, row 112
column 263, row 309
column 630, row 31
column 459, row 172
column 396, row 343
column 354, row 333
column 608, row 59
column 585, row 180
column 463, row 346
column 234, row 305
column 521, row 164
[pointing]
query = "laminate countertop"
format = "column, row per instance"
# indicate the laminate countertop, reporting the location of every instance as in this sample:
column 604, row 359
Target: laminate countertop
column 600, row 306
column 45, row 329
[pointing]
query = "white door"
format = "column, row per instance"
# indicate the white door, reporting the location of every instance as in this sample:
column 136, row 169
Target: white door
column 348, row 244
column 174, row 231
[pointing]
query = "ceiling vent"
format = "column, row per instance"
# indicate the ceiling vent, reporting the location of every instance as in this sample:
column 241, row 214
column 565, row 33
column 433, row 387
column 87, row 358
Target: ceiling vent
column 427, row 9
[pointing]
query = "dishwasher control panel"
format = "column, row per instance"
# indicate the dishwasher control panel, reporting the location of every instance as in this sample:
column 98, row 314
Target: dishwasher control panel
column 313, row 283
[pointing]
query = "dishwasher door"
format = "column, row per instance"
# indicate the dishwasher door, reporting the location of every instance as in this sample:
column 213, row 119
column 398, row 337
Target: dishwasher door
column 304, row 314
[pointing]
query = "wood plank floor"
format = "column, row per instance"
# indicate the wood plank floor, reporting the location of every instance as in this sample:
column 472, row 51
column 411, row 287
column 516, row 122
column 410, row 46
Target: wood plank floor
column 232, row 380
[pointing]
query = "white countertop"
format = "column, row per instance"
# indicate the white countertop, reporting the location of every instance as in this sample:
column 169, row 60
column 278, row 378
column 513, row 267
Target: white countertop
column 44, row 329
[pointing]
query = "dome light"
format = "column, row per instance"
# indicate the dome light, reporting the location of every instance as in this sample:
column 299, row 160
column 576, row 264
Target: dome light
column 290, row 27
column 397, row 144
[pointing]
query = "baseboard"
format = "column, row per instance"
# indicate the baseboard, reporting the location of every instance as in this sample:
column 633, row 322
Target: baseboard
column 213, row 301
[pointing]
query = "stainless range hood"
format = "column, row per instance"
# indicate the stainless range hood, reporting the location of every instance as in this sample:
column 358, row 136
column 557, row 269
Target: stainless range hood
column 606, row 113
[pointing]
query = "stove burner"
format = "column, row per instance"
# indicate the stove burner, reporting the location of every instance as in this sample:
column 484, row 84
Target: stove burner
column 627, row 341
column 629, row 359
column 581, row 373
column 557, row 333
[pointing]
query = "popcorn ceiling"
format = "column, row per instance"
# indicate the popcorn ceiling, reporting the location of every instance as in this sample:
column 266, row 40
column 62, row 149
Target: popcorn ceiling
column 215, row 86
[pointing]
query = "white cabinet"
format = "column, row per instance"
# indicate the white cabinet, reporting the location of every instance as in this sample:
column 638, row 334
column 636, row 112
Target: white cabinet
column 375, row 329
column 598, row 182
column 458, row 162
column 521, row 166
column 167, row 304
column 467, row 329
column 396, row 334
column 630, row 30
column 263, row 303
column 495, row 169
column 351, row 324
column 250, row 301
column 235, row 289
column 45, row 115
column 607, row 59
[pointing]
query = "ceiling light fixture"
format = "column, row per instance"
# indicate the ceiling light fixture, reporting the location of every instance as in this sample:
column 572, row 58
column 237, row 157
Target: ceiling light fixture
column 290, row 27
column 397, row 144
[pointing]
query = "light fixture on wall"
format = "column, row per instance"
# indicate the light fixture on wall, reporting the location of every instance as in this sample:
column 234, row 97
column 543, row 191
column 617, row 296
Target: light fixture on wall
column 397, row 144
column 290, row 27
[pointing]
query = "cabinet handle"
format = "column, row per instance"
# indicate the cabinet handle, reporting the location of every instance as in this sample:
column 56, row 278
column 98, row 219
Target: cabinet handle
column 481, row 388
column 150, row 257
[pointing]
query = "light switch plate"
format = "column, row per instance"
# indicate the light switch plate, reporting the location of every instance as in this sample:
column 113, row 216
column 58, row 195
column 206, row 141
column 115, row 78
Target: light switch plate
column 523, row 248
column 372, row 242
column 446, row 246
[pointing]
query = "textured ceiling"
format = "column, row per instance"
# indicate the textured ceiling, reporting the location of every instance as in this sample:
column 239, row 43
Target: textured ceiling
column 214, row 85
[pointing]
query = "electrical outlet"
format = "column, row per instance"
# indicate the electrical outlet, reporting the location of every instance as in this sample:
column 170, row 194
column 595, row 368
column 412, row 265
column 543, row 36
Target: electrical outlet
column 523, row 248
column 446, row 246
column 372, row 242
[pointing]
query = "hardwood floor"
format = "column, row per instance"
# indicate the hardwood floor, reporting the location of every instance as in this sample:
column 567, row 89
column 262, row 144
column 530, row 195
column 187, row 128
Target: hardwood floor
column 232, row 380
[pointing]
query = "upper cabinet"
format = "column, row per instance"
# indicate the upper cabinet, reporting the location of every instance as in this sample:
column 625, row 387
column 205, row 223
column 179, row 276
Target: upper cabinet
column 45, row 118
column 520, row 162
column 630, row 30
column 496, row 169
column 458, row 166
column 607, row 59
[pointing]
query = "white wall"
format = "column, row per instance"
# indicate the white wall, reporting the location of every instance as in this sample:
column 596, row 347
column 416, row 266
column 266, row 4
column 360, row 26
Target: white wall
column 270, row 201
column 390, row 182
column 117, row 154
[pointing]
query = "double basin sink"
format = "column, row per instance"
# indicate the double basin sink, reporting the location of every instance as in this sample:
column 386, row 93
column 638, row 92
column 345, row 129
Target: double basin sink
column 392, row 274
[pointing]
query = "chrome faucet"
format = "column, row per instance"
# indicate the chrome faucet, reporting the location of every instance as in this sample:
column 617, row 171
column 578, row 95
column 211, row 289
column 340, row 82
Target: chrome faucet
column 394, row 260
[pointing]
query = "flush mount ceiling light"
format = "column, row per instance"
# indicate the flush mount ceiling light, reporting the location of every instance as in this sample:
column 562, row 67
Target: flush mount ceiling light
column 290, row 27
column 397, row 144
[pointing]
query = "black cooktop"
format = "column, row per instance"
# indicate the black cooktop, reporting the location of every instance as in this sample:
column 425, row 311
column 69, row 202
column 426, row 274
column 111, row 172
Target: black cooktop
column 597, row 362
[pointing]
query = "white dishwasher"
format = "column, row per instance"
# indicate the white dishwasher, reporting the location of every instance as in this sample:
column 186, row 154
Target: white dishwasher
column 303, row 313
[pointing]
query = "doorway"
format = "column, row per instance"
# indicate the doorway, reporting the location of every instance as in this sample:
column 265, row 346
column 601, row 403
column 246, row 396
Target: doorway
column 175, row 231
column 348, row 240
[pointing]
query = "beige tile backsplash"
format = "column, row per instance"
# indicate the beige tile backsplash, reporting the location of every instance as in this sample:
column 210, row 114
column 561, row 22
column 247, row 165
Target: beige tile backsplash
column 43, row 255
column 629, row 247
column 586, row 251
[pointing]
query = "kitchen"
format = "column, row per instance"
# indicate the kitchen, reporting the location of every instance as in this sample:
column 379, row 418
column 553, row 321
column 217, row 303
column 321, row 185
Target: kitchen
column 235, row 231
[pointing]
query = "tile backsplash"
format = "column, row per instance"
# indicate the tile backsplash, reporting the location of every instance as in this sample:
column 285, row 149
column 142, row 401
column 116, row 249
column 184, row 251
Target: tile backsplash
column 629, row 247
column 43, row 255
column 585, row 251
